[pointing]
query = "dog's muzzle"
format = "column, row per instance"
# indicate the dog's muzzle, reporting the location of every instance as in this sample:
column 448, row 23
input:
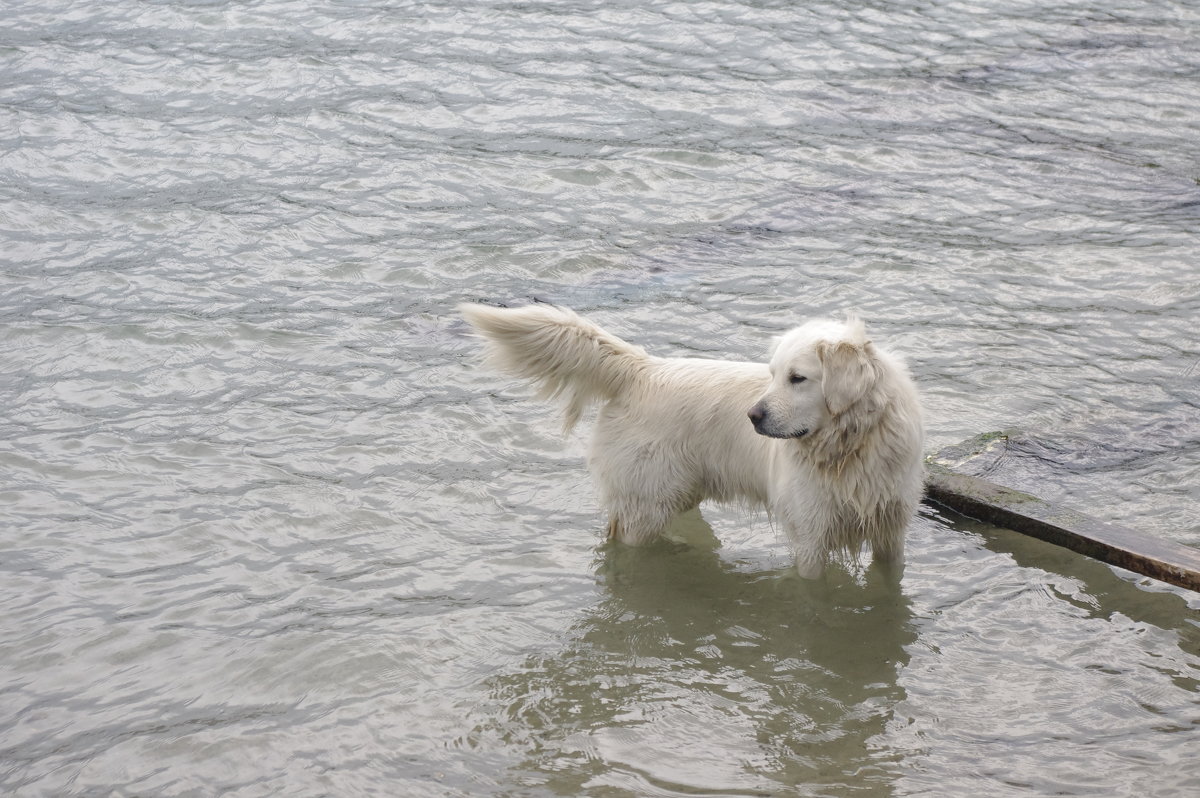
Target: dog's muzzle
column 758, row 417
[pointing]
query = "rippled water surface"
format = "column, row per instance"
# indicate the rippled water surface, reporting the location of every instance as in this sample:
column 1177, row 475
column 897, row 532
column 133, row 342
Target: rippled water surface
column 267, row 528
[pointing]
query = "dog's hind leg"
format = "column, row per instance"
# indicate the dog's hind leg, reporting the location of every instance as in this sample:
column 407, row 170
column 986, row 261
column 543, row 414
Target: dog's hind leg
column 641, row 505
column 637, row 524
column 634, row 533
column 643, row 481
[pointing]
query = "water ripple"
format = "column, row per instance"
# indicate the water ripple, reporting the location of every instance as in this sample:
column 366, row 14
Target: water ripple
column 267, row 528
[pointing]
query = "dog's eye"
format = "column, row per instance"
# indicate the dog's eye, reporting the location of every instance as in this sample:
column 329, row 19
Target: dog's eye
column 796, row 379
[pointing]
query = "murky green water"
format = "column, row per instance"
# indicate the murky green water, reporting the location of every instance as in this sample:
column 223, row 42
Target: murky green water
column 267, row 528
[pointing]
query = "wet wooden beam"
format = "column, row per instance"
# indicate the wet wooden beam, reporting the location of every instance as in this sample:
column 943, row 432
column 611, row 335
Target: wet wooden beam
column 978, row 498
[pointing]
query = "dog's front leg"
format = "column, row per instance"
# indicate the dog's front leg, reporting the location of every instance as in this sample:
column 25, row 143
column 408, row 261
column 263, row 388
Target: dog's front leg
column 810, row 554
column 888, row 558
column 802, row 519
column 810, row 568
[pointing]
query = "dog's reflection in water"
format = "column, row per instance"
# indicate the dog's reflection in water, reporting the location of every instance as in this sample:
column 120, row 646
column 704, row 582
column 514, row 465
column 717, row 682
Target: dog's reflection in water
column 702, row 671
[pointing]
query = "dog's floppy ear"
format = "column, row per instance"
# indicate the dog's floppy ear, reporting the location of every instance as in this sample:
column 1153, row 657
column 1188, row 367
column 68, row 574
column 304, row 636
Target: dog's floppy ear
column 849, row 372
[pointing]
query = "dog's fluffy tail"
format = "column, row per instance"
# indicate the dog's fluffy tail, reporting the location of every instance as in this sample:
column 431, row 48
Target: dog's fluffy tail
column 566, row 356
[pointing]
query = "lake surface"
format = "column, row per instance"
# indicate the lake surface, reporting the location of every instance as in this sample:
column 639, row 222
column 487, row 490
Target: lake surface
column 268, row 528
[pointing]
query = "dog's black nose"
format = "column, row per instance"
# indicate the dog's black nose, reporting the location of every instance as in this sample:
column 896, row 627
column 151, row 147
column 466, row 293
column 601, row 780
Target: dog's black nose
column 757, row 414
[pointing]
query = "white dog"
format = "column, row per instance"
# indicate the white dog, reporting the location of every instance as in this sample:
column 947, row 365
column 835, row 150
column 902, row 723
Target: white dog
column 828, row 436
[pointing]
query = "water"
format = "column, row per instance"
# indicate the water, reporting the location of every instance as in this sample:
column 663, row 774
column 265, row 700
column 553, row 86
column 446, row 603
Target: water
column 267, row 528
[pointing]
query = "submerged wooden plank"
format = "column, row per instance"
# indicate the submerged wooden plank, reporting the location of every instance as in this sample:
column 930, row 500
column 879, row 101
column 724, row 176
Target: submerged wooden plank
column 1116, row 545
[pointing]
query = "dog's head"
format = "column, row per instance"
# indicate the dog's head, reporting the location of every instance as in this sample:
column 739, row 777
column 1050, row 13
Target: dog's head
column 819, row 372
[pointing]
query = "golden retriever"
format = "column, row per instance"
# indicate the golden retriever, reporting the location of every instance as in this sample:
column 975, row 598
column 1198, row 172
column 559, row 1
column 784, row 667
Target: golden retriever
column 827, row 435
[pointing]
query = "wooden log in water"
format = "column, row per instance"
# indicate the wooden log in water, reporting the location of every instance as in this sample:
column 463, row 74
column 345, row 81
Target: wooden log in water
column 979, row 498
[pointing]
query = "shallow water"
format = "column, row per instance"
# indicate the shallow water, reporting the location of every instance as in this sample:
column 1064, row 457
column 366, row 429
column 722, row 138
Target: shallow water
column 266, row 527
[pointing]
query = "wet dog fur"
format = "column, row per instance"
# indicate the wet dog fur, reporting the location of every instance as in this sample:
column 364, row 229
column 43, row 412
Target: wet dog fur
column 827, row 435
